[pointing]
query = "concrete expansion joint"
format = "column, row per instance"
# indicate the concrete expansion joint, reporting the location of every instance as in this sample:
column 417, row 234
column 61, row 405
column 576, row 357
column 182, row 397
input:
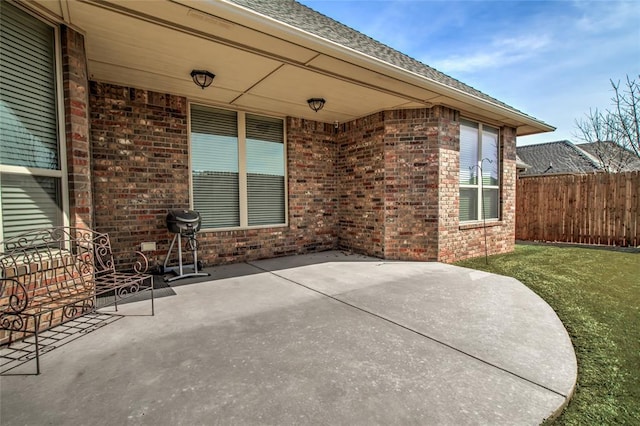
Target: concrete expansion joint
column 412, row 330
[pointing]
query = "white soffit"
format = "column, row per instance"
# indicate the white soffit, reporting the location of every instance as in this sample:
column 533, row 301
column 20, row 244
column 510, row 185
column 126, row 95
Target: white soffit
column 296, row 85
column 119, row 41
column 259, row 63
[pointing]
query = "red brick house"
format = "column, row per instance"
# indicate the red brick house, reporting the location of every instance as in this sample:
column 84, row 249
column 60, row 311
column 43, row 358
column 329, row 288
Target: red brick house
column 102, row 125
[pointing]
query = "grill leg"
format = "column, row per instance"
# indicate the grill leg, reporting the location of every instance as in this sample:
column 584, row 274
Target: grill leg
column 194, row 250
column 180, row 254
column 166, row 260
column 179, row 270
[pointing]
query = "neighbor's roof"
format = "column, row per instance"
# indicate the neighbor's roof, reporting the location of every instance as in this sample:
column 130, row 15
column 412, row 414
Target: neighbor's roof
column 612, row 155
column 306, row 19
column 552, row 158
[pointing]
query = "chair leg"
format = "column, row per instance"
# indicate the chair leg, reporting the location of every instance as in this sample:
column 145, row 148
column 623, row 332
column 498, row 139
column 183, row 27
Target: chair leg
column 152, row 307
column 37, row 326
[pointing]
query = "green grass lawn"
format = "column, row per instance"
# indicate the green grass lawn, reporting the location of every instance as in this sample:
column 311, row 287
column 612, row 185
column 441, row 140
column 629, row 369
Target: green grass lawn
column 596, row 294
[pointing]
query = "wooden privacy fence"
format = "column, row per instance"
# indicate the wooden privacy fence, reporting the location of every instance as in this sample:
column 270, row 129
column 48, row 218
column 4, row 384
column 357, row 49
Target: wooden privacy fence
column 588, row 209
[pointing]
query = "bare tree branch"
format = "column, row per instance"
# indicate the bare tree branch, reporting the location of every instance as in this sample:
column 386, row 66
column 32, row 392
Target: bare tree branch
column 617, row 131
column 627, row 103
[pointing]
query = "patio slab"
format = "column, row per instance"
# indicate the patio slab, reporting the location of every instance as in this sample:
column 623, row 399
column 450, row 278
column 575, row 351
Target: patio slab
column 327, row 338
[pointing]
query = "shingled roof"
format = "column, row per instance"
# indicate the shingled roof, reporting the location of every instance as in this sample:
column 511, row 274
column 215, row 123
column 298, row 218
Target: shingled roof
column 559, row 157
column 612, row 156
column 306, row 19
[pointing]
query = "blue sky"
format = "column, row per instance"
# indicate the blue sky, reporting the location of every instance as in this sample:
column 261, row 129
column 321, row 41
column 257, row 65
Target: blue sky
column 550, row 59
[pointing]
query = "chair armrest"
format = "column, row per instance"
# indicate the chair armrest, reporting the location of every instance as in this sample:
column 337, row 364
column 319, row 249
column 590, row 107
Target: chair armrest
column 141, row 265
column 15, row 300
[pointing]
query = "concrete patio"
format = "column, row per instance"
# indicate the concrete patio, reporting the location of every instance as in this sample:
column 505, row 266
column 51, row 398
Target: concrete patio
column 327, row 339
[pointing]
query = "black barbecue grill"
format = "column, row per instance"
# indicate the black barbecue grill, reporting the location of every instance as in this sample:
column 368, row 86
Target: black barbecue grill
column 184, row 223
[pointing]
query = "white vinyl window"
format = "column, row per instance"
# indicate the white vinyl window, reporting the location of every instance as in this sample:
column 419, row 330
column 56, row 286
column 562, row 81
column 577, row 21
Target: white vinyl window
column 237, row 168
column 479, row 172
column 31, row 174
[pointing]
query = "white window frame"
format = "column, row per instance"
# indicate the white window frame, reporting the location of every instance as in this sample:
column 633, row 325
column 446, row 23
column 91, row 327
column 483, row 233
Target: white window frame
column 480, row 186
column 242, row 170
column 60, row 173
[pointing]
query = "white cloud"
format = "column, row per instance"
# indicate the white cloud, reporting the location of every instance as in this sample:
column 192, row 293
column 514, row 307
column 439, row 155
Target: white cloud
column 604, row 17
column 501, row 52
column 463, row 64
column 533, row 42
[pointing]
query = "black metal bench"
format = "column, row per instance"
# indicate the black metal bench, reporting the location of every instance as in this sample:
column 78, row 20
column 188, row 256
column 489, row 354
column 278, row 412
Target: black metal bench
column 54, row 275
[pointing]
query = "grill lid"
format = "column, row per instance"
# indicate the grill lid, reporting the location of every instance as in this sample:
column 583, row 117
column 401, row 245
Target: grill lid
column 183, row 221
column 185, row 216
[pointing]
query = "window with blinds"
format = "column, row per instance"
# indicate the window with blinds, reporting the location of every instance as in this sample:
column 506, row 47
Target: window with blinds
column 479, row 172
column 214, row 166
column 265, row 170
column 30, row 166
column 238, row 168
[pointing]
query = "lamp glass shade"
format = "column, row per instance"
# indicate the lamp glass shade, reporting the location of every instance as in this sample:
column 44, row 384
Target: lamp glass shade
column 202, row 78
column 316, row 104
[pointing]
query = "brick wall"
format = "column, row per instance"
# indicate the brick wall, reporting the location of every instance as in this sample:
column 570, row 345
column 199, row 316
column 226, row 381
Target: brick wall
column 312, row 184
column 76, row 122
column 390, row 167
column 360, row 171
column 385, row 185
column 140, row 163
column 411, row 183
column 141, row 170
column 420, row 170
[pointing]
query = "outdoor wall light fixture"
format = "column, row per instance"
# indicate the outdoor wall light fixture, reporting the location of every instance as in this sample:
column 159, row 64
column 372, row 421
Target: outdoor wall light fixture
column 316, row 104
column 202, row 78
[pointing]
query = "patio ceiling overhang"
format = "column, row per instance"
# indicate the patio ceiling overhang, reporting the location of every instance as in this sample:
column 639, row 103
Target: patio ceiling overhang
column 260, row 64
